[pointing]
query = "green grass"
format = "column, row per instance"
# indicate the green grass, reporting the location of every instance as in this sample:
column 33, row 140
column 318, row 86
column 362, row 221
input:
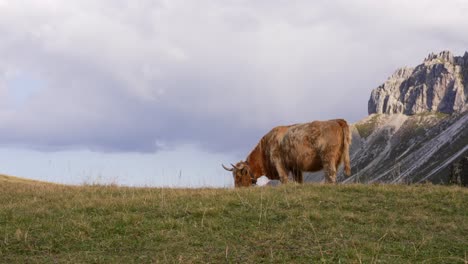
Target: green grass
column 436, row 115
column 365, row 129
column 42, row 223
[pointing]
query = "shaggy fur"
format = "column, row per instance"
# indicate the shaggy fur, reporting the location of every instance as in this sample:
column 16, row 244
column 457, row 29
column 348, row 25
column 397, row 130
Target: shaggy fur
column 297, row 148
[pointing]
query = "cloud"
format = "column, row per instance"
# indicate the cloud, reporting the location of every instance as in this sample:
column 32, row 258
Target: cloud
column 136, row 76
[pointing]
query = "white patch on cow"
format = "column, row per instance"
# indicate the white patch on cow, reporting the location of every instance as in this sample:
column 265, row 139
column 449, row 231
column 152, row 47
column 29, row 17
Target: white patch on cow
column 262, row 181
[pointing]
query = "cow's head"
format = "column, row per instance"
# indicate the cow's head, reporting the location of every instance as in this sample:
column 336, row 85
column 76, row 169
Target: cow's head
column 242, row 174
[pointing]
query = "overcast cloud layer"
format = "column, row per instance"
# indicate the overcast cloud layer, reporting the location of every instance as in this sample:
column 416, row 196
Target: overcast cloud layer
column 145, row 75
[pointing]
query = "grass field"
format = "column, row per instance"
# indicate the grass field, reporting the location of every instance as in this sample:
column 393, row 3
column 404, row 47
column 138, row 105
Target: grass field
column 49, row 223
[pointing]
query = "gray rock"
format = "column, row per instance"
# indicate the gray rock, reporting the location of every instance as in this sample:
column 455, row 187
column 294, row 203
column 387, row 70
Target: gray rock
column 274, row 183
column 436, row 85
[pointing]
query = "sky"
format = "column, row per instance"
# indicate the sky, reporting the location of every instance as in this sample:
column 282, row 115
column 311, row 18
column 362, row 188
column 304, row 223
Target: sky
column 159, row 93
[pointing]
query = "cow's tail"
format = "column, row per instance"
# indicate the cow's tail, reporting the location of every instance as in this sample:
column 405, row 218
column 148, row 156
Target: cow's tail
column 346, row 144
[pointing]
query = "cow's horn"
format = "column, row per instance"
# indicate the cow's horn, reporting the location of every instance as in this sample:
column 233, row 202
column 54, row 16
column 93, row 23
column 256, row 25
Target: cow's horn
column 228, row 169
column 234, row 166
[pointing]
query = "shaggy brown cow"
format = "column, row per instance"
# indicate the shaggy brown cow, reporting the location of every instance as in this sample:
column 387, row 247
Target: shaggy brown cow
column 297, row 148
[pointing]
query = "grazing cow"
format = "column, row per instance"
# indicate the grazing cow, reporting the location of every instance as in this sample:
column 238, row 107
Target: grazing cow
column 260, row 160
column 297, row 148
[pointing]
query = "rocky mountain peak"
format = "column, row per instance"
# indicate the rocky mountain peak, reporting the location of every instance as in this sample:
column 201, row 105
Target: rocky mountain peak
column 439, row 84
column 444, row 56
column 402, row 73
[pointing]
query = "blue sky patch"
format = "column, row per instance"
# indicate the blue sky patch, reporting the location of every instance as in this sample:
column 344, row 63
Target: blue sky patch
column 21, row 88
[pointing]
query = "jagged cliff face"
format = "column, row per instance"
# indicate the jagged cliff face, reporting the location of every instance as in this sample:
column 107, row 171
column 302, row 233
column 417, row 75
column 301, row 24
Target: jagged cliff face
column 417, row 127
column 438, row 84
column 398, row 148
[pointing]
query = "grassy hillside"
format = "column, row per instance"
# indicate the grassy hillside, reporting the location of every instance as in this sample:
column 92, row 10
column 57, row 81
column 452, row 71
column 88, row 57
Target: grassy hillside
column 12, row 179
column 41, row 223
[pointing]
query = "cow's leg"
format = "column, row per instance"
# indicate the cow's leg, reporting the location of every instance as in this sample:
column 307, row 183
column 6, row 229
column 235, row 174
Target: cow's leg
column 299, row 176
column 329, row 168
column 279, row 166
column 282, row 172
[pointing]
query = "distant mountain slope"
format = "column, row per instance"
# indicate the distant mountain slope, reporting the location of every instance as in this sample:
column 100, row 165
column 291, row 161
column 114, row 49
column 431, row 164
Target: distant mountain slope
column 399, row 148
column 417, row 125
column 12, row 179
